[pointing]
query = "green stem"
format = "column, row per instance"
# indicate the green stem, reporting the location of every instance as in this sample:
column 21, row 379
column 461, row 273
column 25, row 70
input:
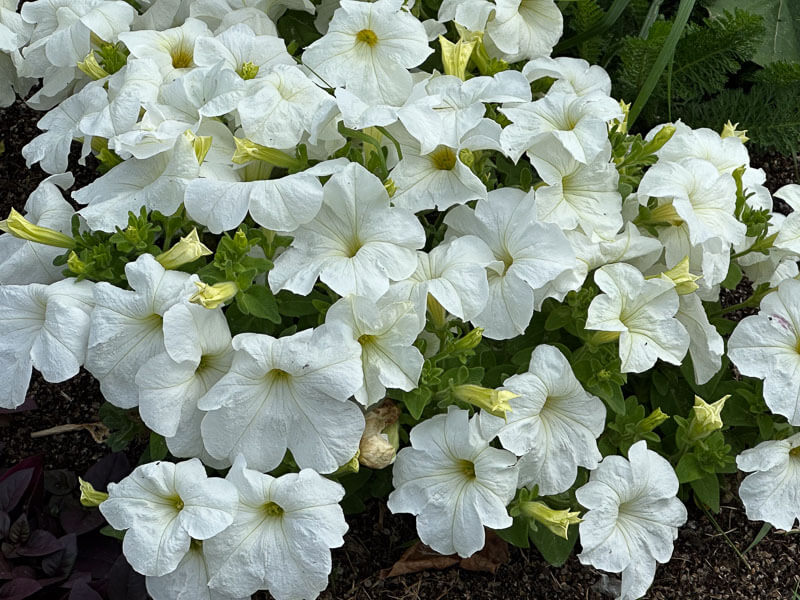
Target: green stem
column 366, row 139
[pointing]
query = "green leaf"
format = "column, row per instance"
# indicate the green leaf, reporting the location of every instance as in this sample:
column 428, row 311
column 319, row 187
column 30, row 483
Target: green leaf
column 109, row 531
column 611, row 394
column 258, row 301
column 554, row 549
column 157, row 447
column 689, row 469
column 707, row 491
column 517, row 534
column 782, row 23
column 733, row 277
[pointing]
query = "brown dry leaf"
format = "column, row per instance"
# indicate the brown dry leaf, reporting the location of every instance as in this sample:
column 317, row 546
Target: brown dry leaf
column 421, row 558
column 98, row 431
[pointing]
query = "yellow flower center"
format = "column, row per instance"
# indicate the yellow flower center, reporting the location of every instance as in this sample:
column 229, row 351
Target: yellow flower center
column 443, row 158
column 467, row 467
column 182, row 56
column 366, row 339
column 247, row 70
column 352, row 248
column 270, row 509
column 367, row 36
column 795, row 452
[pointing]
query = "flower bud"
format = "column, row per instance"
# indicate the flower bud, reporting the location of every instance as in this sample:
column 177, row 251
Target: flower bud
column 495, row 402
column 212, row 296
column 381, row 439
column 351, row 466
column 706, row 418
column 20, row 227
column 557, row 521
column 455, row 57
column 91, row 67
column 75, row 264
column 89, row 495
column 679, row 275
column 469, row 341
column 390, row 187
column 660, row 139
column 651, row 421
column 247, row 151
column 201, row 145
column 187, row 250
column 622, row 126
column 729, row 130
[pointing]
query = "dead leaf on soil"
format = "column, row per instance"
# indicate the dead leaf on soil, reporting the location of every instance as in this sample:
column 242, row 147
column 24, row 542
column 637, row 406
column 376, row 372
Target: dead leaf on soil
column 98, row 431
column 421, row 558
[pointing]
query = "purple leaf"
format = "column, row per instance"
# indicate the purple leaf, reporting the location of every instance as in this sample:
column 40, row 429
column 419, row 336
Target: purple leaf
column 59, row 564
column 109, row 469
column 96, row 554
column 125, row 583
column 5, row 524
column 20, row 530
column 79, row 519
column 13, row 486
column 60, row 482
column 19, row 589
column 40, row 543
column 82, row 591
column 29, row 404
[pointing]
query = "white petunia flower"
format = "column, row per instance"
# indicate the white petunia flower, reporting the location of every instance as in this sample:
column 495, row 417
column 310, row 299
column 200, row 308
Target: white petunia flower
column 172, row 49
column 702, row 197
column 642, row 312
column 288, row 393
column 356, row 244
column 164, row 506
column 767, row 346
column 157, row 183
column 705, row 343
column 61, row 126
column 454, row 483
column 789, row 233
column 241, row 50
column 771, row 492
column 189, row 580
column 197, row 354
column 454, row 274
column 22, row 261
column 44, row 327
column 523, row 29
column 528, row 254
column 553, row 423
column 578, row 123
column 280, row 107
column 368, row 49
column 386, row 333
column 632, row 519
column 441, row 178
column 571, row 75
column 127, row 326
column 577, row 194
column 282, row 535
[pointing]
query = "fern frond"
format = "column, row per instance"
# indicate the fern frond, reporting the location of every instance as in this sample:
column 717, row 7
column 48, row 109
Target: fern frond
column 779, row 73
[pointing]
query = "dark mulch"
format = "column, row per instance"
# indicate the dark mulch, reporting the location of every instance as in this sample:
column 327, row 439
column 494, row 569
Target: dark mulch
column 704, row 564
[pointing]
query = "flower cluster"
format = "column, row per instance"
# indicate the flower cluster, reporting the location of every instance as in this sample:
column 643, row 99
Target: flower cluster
column 399, row 225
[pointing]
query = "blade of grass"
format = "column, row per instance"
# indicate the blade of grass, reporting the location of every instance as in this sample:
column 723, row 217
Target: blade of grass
column 664, row 57
column 607, row 22
column 725, row 535
column 759, row 536
column 650, row 18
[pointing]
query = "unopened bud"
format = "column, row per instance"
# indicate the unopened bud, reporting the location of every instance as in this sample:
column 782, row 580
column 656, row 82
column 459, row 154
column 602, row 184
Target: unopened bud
column 187, row 250
column 680, row 275
column 390, row 187
column 247, row 151
column 651, row 421
column 706, row 418
column 660, row 139
column 729, row 130
column 75, row 264
column 201, row 145
column 494, row 402
column 557, row 521
column 89, row 495
column 91, row 67
column 455, row 57
column 213, row 296
column 622, row 126
column 20, row 227
column 469, row 341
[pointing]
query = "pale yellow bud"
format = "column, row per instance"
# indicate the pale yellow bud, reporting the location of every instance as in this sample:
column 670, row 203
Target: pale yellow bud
column 247, row 151
column 213, row 296
column 662, row 137
column 201, row 145
column 706, row 418
column 557, row 521
column 729, row 130
column 680, row 275
column 455, row 57
column 20, row 227
column 187, row 250
column 89, row 495
column 495, row 402
column 653, row 420
column 622, row 126
column 75, row 264
column 91, row 67
column 390, row 186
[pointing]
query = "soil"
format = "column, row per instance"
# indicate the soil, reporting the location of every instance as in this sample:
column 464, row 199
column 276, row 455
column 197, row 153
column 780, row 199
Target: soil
column 704, row 564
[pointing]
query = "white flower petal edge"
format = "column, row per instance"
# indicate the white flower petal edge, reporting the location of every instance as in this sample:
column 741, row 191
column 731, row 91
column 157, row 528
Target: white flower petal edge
column 454, row 482
column 767, row 346
column 281, row 537
column 633, row 517
column 164, row 506
column 771, row 492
